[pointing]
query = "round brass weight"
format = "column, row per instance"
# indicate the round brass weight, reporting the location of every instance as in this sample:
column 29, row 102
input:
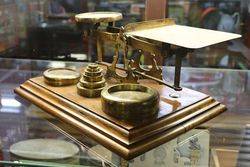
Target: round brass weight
column 131, row 102
column 61, row 76
column 92, row 82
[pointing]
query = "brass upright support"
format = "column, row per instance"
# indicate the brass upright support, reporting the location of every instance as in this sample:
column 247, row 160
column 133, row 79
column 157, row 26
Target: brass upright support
column 177, row 75
column 179, row 54
column 100, row 48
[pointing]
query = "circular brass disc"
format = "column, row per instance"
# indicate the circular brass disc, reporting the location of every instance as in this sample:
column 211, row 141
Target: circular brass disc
column 93, row 66
column 86, row 92
column 44, row 149
column 61, row 76
column 97, row 17
column 92, row 85
column 92, row 78
column 92, row 73
column 93, row 69
column 131, row 102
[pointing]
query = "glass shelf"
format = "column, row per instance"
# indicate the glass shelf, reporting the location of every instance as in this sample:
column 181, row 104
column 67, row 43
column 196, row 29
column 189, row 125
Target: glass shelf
column 223, row 140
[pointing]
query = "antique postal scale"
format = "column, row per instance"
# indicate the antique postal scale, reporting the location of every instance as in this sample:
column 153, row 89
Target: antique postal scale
column 129, row 109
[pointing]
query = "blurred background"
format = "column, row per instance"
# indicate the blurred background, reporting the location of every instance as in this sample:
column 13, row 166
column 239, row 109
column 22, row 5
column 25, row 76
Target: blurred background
column 35, row 34
column 45, row 29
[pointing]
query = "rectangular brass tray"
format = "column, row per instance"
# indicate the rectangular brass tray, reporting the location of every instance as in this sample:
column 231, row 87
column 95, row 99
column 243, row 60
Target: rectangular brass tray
column 184, row 36
column 176, row 116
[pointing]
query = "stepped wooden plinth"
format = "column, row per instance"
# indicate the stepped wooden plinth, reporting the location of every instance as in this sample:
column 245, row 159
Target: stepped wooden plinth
column 176, row 116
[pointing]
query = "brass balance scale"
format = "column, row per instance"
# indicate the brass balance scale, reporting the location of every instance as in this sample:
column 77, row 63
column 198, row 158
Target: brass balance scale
column 128, row 109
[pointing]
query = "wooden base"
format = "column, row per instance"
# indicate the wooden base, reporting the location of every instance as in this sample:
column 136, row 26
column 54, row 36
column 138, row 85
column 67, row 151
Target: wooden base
column 176, row 116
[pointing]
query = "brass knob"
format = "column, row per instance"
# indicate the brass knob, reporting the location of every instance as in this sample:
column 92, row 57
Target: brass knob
column 92, row 82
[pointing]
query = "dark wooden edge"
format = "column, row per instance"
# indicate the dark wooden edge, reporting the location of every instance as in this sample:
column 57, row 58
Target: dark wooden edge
column 108, row 128
column 127, row 151
column 87, row 130
column 174, row 118
column 76, row 112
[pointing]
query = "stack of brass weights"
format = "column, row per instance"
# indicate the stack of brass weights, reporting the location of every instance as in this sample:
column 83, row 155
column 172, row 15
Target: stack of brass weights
column 92, row 82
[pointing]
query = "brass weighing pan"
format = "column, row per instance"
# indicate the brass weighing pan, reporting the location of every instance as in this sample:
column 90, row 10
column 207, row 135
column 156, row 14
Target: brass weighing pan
column 131, row 102
column 61, row 76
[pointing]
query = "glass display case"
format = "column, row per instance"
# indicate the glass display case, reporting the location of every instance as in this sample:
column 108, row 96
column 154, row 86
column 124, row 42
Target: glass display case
column 223, row 141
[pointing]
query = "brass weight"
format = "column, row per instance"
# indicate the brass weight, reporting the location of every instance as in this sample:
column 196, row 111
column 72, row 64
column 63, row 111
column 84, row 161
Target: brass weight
column 61, row 76
column 92, row 82
column 130, row 102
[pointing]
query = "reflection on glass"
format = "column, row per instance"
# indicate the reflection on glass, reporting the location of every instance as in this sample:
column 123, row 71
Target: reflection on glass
column 9, row 102
column 9, row 105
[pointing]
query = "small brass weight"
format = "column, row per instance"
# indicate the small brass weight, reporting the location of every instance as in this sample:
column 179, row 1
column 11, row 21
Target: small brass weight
column 92, row 82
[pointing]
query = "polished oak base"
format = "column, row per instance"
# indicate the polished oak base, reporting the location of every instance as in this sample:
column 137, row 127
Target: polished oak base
column 176, row 115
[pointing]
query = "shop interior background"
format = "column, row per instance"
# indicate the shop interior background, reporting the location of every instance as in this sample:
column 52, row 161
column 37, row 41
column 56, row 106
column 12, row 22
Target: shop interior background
column 45, row 29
